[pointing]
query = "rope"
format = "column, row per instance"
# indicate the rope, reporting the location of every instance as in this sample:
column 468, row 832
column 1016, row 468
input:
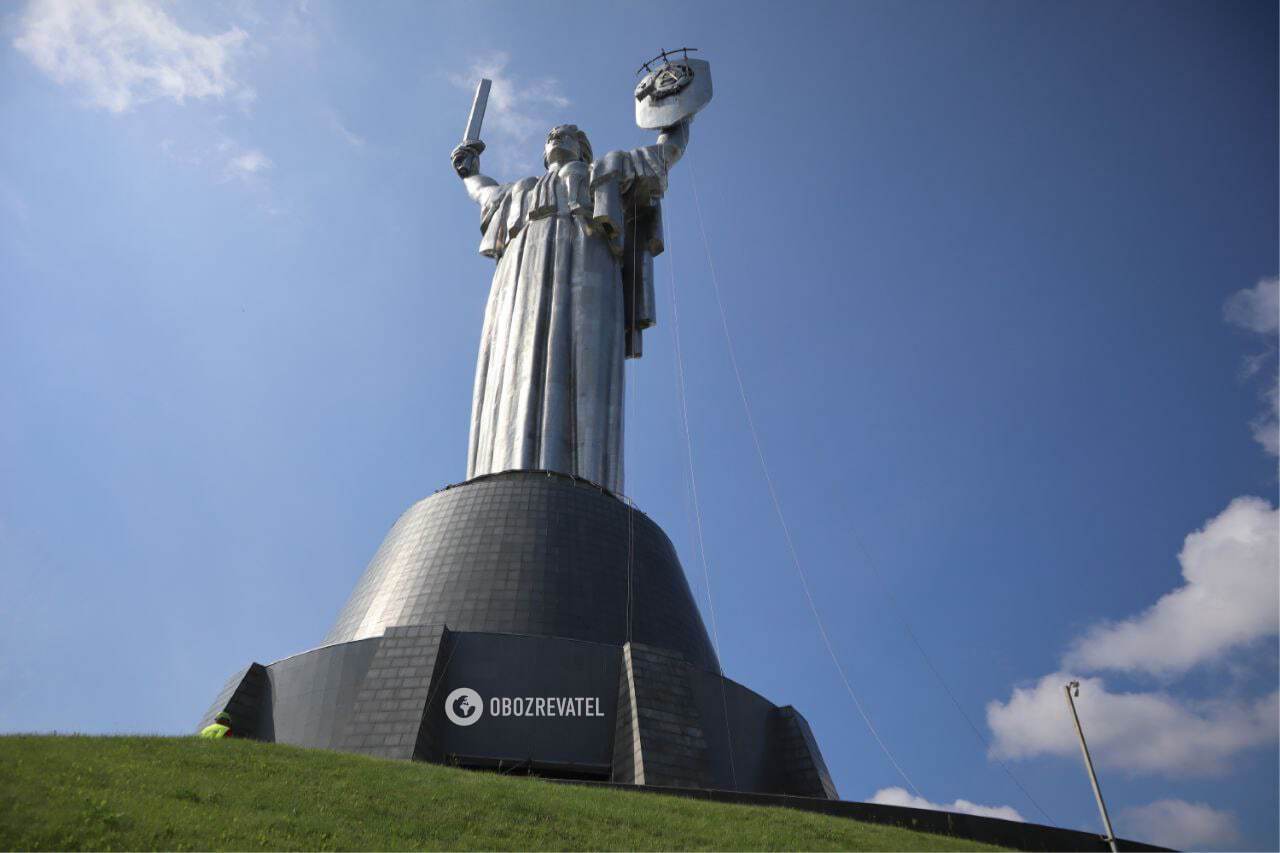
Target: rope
column 629, row 390
column 786, row 531
column 858, row 540
column 697, row 510
column 906, row 626
column 631, row 548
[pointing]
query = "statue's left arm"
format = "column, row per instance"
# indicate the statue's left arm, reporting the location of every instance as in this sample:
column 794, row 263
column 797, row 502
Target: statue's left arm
column 627, row 188
column 674, row 140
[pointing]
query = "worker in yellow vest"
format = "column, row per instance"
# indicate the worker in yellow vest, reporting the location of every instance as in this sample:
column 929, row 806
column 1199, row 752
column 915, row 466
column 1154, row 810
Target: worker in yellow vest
column 220, row 727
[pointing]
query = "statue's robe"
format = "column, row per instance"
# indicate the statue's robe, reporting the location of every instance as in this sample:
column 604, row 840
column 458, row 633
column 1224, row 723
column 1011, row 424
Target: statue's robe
column 572, row 291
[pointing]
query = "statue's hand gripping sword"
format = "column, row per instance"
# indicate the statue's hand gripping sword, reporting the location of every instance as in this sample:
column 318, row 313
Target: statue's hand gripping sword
column 465, row 156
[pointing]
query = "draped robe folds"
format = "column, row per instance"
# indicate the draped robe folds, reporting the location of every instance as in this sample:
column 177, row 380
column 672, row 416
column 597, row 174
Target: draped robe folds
column 571, row 294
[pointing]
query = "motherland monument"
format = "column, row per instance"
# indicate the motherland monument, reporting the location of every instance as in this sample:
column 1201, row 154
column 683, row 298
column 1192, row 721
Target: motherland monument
column 572, row 292
column 530, row 618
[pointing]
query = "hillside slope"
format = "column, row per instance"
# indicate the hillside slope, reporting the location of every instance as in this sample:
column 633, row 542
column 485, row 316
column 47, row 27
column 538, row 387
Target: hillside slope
column 183, row 793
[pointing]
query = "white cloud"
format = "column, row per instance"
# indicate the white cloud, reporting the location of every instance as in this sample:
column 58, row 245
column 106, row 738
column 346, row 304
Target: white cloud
column 127, row 52
column 903, row 797
column 1231, row 574
column 122, row 53
column 1254, row 363
column 247, row 164
column 1229, row 599
column 348, row 136
column 1258, row 310
column 225, row 159
column 1180, row 825
column 1266, row 427
column 519, row 113
column 1138, row 732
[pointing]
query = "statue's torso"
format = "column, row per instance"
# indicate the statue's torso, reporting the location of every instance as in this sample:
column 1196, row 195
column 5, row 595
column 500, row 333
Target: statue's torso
column 561, row 318
column 563, row 190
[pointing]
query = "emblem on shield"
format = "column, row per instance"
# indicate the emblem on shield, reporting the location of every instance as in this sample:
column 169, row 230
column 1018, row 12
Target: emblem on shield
column 673, row 88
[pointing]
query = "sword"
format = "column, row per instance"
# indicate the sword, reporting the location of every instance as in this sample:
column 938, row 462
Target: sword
column 471, row 136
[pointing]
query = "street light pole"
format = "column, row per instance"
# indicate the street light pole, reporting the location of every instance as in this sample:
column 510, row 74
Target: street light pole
column 1088, row 764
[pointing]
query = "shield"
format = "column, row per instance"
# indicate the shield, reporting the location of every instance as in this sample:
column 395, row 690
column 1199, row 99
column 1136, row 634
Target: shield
column 673, row 91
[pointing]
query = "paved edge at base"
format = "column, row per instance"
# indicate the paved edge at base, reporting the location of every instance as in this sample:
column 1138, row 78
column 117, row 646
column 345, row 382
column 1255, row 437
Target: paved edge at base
column 987, row 830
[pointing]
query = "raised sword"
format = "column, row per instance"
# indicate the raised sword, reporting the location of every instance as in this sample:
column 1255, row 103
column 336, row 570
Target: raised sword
column 471, row 135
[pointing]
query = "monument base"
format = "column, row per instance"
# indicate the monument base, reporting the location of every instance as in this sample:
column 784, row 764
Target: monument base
column 555, row 707
column 561, row 639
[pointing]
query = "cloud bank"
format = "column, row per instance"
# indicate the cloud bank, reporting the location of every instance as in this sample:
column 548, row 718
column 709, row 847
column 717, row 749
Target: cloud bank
column 1229, row 595
column 121, row 53
column 902, row 797
column 1228, row 599
column 1181, row 825
column 1140, row 732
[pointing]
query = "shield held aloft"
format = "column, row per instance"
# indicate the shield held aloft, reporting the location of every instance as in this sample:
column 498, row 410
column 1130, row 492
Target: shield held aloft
column 673, row 91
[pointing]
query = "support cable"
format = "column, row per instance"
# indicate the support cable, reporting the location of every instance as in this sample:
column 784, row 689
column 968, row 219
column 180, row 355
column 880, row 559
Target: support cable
column 629, row 391
column 697, row 511
column 866, row 554
column 786, row 531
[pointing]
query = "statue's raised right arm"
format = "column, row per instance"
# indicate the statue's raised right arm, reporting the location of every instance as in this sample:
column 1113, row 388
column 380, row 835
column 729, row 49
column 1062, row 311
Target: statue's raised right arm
column 466, row 162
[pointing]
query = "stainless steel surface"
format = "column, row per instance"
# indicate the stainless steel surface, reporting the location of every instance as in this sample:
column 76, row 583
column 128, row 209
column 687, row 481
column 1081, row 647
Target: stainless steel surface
column 476, row 119
column 569, row 299
column 1088, row 764
column 673, row 92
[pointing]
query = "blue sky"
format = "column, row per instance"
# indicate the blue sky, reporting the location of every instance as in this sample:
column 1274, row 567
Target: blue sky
column 1001, row 280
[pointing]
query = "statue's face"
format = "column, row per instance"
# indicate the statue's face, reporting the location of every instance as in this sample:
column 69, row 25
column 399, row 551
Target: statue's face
column 562, row 147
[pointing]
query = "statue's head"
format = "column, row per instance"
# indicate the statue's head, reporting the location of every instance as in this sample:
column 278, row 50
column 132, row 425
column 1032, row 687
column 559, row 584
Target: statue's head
column 565, row 144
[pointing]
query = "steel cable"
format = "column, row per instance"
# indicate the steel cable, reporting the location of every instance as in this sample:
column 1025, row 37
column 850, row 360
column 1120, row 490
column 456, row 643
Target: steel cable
column 697, row 510
column 866, row 554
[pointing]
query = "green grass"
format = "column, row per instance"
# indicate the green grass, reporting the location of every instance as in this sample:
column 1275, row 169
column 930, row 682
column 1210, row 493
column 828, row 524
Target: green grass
column 142, row 793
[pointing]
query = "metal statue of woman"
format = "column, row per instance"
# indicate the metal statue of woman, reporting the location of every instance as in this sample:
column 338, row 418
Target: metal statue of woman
column 572, row 291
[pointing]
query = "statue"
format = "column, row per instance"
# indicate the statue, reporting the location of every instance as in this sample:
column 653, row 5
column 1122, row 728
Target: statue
column 573, row 287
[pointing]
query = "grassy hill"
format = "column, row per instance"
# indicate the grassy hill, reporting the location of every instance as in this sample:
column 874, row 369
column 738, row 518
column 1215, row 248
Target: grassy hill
column 133, row 793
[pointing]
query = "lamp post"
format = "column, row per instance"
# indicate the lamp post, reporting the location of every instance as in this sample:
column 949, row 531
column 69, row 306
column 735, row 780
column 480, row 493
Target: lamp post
column 1069, row 687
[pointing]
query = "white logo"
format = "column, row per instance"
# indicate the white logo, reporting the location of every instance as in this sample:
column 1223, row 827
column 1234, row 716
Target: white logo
column 463, row 706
